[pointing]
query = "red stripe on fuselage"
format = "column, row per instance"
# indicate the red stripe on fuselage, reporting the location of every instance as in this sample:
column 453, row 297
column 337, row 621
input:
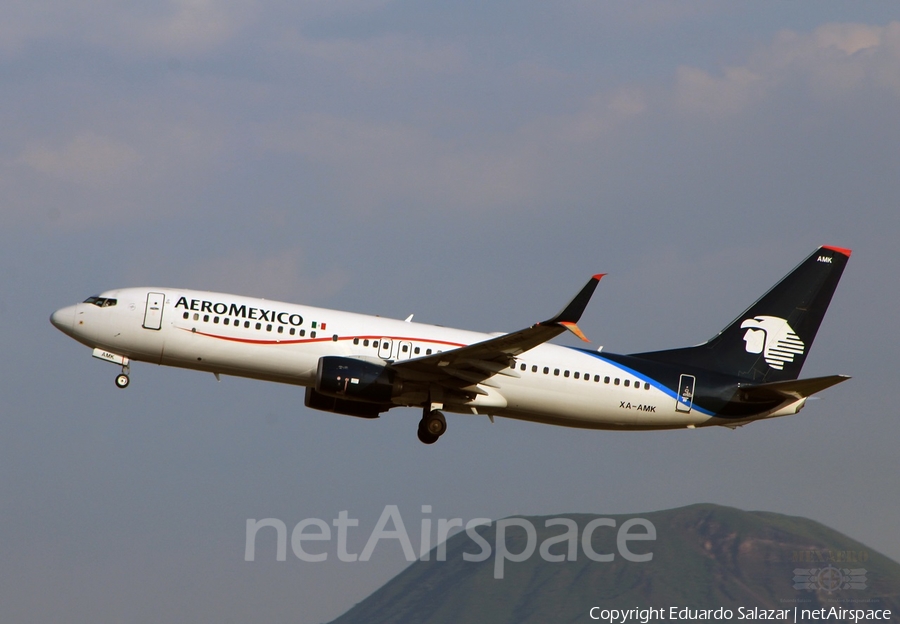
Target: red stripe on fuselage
column 324, row 339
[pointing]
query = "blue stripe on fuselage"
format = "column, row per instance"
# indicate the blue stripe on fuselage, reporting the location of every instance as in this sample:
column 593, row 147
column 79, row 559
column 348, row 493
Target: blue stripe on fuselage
column 662, row 388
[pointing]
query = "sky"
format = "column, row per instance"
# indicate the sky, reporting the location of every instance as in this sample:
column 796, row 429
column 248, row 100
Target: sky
column 471, row 163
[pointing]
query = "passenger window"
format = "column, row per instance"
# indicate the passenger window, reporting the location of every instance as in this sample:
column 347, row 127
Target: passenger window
column 215, row 320
column 312, row 334
column 226, row 321
column 334, row 338
column 416, row 350
column 522, row 367
column 206, row 318
column 302, row 332
column 405, row 348
column 606, row 380
column 259, row 326
column 534, row 368
column 616, row 381
column 375, row 344
column 546, row 370
column 269, row 327
column 185, row 316
column 576, row 375
column 646, row 386
column 196, row 316
column 597, row 378
column 428, row 352
column 280, row 329
column 366, row 342
column 292, row 331
column 627, row 383
column 556, row 372
column 247, row 324
column 356, row 341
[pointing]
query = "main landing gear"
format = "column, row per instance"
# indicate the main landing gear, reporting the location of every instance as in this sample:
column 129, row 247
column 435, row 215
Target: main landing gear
column 122, row 379
column 432, row 426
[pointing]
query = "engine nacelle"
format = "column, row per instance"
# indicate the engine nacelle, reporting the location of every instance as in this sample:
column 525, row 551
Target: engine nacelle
column 355, row 380
column 319, row 401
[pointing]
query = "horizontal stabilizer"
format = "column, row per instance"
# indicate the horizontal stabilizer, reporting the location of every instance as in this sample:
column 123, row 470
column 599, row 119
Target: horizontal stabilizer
column 791, row 389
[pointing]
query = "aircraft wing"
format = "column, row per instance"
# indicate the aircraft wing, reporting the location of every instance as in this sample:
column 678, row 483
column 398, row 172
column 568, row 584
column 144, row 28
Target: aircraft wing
column 467, row 366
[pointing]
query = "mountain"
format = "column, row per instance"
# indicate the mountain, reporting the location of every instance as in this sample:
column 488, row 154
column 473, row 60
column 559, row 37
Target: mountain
column 704, row 556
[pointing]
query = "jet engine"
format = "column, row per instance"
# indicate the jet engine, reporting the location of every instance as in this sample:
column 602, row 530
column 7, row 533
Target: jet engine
column 319, row 401
column 355, row 380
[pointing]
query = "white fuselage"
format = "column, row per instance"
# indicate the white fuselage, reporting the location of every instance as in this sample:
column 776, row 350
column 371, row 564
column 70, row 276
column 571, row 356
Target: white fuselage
column 275, row 341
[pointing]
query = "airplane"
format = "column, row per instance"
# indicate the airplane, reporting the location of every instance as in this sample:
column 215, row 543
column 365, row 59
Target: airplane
column 359, row 365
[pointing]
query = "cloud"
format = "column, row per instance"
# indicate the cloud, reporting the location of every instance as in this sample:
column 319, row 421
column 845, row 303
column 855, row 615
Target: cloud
column 285, row 275
column 88, row 159
column 371, row 163
column 170, row 28
column 142, row 168
column 189, row 26
column 833, row 61
column 379, row 165
column 736, row 90
column 173, row 27
column 600, row 114
column 374, row 163
column 376, row 60
column 648, row 13
column 392, row 142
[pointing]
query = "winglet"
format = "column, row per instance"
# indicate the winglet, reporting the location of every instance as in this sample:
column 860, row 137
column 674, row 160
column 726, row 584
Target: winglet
column 572, row 312
column 572, row 327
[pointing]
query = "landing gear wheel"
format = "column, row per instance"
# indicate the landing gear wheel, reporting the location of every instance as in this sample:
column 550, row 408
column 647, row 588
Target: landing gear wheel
column 122, row 381
column 425, row 437
column 435, row 423
column 431, row 427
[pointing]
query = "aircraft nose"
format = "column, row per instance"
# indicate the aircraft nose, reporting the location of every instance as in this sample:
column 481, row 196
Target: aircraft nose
column 64, row 319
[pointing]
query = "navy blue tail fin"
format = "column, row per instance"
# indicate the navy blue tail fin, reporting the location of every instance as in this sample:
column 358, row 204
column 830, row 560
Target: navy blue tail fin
column 770, row 341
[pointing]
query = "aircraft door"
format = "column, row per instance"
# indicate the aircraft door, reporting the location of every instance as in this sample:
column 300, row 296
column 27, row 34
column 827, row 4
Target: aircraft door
column 154, row 310
column 685, row 393
column 385, row 347
column 404, row 350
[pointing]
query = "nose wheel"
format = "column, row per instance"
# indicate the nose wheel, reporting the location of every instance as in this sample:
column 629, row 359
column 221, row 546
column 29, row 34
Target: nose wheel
column 431, row 427
column 122, row 379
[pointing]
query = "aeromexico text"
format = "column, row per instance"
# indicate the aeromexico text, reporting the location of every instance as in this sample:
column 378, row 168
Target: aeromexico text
column 241, row 311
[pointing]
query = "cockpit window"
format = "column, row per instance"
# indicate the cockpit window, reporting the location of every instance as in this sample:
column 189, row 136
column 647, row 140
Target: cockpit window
column 101, row 302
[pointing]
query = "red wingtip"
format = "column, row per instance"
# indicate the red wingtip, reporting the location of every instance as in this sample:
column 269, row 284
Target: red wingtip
column 599, row 276
column 840, row 250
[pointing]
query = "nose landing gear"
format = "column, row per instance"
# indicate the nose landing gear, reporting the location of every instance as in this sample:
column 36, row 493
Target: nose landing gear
column 432, row 426
column 122, row 379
